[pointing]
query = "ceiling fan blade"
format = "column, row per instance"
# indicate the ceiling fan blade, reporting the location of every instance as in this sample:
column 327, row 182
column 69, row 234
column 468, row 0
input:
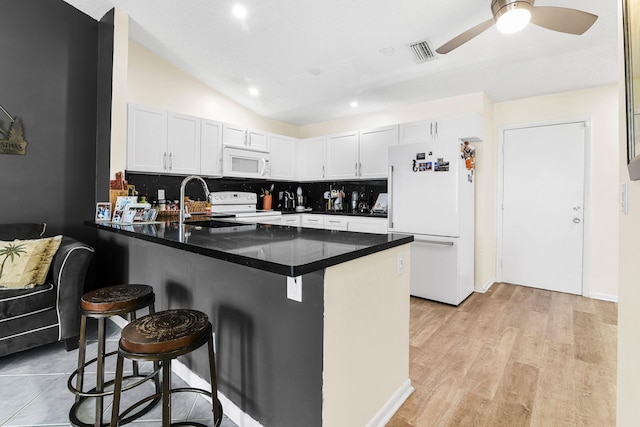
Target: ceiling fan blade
column 464, row 37
column 562, row 19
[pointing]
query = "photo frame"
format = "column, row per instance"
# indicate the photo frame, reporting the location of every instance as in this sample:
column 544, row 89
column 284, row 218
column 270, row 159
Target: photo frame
column 120, row 206
column 103, row 211
column 135, row 212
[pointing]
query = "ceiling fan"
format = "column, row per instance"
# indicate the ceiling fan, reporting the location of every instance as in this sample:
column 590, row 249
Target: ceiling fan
column 511, row 16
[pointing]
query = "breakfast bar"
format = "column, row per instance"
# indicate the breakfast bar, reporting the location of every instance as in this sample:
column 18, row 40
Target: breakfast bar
column 311, row 326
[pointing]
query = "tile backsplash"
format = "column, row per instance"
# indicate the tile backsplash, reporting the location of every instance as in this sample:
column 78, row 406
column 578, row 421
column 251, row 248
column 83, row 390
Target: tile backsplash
column 149, row 184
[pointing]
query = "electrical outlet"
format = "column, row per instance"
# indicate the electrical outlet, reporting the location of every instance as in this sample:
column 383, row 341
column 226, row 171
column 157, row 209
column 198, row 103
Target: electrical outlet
column 400, row 263
column 294, row 288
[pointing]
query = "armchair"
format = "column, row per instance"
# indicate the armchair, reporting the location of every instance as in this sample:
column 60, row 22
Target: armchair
column 45, row 313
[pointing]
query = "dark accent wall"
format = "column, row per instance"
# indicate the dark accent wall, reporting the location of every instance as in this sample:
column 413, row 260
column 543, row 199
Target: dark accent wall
column 104, row 105
column 48, row 77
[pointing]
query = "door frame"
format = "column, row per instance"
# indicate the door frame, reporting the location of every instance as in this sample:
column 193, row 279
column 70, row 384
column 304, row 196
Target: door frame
column 587, row 191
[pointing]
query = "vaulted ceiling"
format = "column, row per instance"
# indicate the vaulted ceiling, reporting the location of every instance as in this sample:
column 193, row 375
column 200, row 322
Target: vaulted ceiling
column 310, row 59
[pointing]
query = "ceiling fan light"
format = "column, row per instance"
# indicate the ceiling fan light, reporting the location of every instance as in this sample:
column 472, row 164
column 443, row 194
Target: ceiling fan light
column 513, row 20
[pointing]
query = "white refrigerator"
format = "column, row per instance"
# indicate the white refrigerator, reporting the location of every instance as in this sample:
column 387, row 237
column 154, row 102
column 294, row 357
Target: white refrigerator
column 431, row 195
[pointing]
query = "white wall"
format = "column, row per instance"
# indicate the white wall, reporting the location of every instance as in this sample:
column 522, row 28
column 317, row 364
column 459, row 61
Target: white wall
column 628, row 388
column 600, row 104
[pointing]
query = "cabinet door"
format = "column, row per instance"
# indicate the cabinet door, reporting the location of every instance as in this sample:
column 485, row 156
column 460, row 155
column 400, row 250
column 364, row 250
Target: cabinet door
column 257, row 140
column 234, row 135
column 467, row 127
column 334, row 222
column 211, row 148
column 410, row 133
column 368, row 225
column 374, row 151
column 311, row 159
column 291, row 220
column 146, row 139
column 183, row 144
column 342, row 156
column 282, row 149
column 313, row 221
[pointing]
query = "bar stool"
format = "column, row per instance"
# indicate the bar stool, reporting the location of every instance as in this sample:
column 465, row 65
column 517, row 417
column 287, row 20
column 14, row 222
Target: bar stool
column 162, row 337
column 101, row 304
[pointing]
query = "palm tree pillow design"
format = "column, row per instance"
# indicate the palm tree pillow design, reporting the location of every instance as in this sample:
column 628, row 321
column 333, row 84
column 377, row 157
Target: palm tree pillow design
column 25, row 263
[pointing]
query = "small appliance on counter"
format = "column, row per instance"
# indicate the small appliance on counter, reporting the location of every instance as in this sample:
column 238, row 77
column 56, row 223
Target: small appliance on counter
column 355, row 197
column 299, row 200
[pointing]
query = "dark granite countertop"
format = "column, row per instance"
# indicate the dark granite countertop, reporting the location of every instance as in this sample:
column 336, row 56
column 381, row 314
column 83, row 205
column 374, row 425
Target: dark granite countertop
column 290, row 251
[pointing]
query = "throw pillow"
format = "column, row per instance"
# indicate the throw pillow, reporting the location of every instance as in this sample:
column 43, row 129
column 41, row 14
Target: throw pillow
column 25, row 263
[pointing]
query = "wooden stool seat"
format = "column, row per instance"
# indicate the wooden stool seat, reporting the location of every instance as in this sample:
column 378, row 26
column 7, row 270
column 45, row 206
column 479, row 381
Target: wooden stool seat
column 117, row 298
column 165, row 331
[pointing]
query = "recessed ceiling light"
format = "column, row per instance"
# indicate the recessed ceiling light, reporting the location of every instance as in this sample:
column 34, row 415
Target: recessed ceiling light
column 354, row 104
column 240, row 12
column 253, row 91
column 387, row 51
column 315, row 71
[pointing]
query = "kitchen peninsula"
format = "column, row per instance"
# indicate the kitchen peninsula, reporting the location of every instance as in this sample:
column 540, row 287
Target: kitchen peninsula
column 311, row 326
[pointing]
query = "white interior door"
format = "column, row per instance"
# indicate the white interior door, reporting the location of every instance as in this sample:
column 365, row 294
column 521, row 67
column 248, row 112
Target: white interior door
column 543, row 203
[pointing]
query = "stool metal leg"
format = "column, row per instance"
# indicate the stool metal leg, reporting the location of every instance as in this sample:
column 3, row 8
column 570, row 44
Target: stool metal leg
column 117, row 387
column 132, row 317
column 166, row 393
column 82, row 350
column 100, row 368
column 215, row 403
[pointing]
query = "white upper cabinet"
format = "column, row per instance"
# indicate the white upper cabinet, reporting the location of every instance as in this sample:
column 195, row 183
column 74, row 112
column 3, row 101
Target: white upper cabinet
column 465, row 126
column 374, row 151
column 162, row 142
column 146, row 139
column 283, row 164
column 183, row 144
column 311, row 163
column 342, row 156
column 257, row 140
column 249, row 139
column 210, row 148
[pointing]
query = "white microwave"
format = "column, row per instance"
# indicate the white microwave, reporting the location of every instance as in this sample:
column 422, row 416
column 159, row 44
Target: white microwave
column 245, row 163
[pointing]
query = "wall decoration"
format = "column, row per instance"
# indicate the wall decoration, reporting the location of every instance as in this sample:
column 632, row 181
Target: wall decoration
column 12, row 137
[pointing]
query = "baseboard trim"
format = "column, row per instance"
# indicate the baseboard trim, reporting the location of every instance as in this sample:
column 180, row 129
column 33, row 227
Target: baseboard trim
column 393, row 404
column 231, row 410
column 487, row 285
column 604, row 297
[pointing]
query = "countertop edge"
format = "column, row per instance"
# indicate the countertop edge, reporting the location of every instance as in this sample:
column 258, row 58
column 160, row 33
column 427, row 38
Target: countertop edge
column 270, row 266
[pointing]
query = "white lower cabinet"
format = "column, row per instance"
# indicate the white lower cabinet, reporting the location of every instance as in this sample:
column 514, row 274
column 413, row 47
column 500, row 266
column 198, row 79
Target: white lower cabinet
column 291, row 220
column 361, row 224
column 312, row 221
column 334, row 222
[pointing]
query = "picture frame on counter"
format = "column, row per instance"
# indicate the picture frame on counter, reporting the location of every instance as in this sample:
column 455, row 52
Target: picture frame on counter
column 135, row 212
column 121, row 205
column 103, row 211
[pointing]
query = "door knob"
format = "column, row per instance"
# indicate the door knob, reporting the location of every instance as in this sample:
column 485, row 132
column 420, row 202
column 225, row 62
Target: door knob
column 576, row 220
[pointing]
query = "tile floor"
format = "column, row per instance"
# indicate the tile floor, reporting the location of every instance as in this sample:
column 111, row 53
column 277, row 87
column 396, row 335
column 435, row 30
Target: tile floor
column 34, row 393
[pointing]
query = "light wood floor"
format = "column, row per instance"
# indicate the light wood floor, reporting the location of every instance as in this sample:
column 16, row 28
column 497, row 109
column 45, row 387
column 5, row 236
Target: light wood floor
column 515, row 356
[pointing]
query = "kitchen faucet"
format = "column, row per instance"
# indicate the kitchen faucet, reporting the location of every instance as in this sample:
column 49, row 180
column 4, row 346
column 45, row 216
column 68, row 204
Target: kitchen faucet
column 183, row 205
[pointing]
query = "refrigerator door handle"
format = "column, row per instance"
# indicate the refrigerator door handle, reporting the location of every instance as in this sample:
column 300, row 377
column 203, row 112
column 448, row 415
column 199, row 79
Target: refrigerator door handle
column 390, row 199
column 436, row 242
